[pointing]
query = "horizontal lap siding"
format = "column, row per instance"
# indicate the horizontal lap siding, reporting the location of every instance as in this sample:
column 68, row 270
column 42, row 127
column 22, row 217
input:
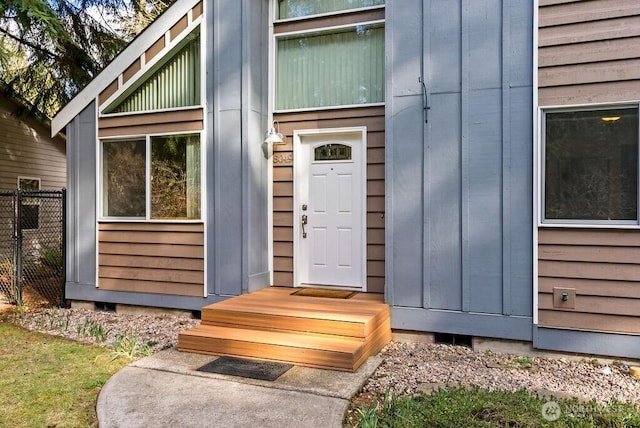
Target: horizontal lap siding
column 155, row 258
column 602, row 266
column 28, row 151
column 373, row 119
column 151, row 123
column 589, row 51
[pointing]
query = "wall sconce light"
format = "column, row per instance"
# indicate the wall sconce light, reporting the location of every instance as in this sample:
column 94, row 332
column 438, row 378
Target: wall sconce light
column 272, row 138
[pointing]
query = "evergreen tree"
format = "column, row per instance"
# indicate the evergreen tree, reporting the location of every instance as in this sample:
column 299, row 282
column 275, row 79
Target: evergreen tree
column 50, row 49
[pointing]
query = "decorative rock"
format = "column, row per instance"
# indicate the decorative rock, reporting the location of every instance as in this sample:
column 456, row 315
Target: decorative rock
column 634, row 371
column 606, row 370
column 494, row 365
column 429, row 387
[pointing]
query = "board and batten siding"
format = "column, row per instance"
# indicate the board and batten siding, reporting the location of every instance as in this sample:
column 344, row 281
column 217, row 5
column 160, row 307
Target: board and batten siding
column 589, row 52
column 27, row 150
column 162, row 258
column 602, row 266
column 373, row 119
column 459, row 175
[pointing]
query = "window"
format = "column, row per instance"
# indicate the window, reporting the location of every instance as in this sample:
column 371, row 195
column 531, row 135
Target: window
column 328, row 67
column 331, row 68
column 28, row 183
column 332, row 152
column 299, row 8
column 172, row 83
column 156, row 177
column 30, row 208
column 591, row 165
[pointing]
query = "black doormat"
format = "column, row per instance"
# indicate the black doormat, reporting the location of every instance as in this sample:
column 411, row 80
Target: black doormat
column 262, row 370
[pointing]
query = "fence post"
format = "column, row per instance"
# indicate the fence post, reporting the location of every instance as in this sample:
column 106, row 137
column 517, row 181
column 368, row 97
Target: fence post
column 18, row 251
column 64, row 245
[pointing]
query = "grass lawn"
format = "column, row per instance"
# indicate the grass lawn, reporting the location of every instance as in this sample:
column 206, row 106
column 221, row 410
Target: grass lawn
column 48, row 381
column 459, row 407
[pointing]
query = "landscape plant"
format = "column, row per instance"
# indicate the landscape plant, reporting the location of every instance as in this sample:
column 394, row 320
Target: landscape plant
column 473, row 407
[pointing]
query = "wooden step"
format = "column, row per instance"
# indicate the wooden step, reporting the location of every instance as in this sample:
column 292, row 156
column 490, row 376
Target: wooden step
column 273, row 324
column 280, row 311
column 321, row 351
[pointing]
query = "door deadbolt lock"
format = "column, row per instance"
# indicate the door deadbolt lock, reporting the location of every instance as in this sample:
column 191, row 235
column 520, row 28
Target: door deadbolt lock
column 304, row 222
column 304, row 207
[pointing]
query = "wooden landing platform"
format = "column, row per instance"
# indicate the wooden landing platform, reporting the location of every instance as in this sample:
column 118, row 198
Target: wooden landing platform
column 272, row 324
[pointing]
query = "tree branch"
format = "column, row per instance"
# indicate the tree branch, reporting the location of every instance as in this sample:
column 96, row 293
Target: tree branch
column 31, row 45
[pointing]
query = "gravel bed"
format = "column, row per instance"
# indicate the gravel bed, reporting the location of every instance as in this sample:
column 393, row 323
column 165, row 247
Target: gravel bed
column 407, row 369
column 410, row 368
column 151, row 333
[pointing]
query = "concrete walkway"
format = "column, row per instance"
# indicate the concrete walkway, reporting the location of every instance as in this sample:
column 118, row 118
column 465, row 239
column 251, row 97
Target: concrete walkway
column 166, row 390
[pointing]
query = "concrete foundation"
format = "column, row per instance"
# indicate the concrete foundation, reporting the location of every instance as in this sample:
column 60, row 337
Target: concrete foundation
column 82, row 304
column 147, row 310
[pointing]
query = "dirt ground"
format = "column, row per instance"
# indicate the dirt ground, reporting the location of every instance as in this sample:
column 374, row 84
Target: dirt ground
column 5, row 307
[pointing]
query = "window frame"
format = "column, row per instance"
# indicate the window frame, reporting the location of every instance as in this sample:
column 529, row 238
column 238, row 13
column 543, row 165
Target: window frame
column 541, row 160
column 275, row 36
column 32, row 203
column 277, row 20
column 147, row 218
column 23, row 177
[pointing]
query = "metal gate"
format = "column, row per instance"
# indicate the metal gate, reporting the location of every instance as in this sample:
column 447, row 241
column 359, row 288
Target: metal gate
column 32, row 247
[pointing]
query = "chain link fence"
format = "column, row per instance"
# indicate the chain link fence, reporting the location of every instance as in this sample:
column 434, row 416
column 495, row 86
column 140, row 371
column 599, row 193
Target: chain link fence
column 32, row 247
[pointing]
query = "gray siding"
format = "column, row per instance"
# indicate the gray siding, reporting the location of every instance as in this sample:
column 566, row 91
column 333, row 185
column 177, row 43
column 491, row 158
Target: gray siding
column 585, row 342
column 81, row 201
column 27, row 150
column 459, row 187
column 236, row 248
column 236, row 176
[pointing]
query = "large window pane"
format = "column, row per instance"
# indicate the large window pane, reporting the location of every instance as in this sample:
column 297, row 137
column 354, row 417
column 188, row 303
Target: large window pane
column 331, row 69
column 123, row 181
column 175, row 177
column 299, row 8
column 591, row 165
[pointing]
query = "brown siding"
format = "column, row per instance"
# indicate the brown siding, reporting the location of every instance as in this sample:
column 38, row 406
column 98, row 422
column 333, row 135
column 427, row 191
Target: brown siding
column 150, row 123
column 164, row 258
column 589, row 51
column 178, row 28
column 110, row 90
column 131, row 71
column 154, row 49
column 27, row 150
column 602, row 266
column 196, row 11
column 373, row 119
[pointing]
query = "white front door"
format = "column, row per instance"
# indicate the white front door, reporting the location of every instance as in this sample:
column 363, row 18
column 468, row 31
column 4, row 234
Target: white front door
column 329, row 208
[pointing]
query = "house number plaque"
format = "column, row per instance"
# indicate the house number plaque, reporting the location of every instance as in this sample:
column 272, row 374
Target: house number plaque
column 279, row 158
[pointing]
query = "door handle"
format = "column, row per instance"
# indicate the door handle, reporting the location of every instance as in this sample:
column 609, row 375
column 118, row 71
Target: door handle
column 304, row 222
